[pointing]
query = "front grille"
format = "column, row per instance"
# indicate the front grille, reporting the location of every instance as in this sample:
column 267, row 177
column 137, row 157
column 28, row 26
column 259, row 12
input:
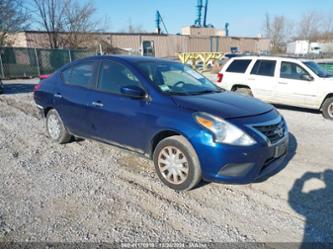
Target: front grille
column 273, row 132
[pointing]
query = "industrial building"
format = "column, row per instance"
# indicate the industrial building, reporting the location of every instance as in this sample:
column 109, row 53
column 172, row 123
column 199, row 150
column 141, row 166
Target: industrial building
column 192, row 39
column 199, row 37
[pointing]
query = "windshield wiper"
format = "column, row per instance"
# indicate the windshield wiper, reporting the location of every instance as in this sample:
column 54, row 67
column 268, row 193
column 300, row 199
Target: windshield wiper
column 177, row 93
column 205, row 92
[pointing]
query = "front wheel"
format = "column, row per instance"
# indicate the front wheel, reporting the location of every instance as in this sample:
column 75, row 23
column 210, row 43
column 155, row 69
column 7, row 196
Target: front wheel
column 55, row 128
column 177, row 164
column 327, row 108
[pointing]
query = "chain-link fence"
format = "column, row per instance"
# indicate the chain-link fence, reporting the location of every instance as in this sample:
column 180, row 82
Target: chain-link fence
column 32, row 62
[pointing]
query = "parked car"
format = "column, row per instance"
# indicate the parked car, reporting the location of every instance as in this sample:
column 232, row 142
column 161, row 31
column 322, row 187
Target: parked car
column 301, row 83
column 164, row 110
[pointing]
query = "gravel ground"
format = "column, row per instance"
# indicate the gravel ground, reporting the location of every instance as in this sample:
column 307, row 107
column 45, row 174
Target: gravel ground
column 89, row 191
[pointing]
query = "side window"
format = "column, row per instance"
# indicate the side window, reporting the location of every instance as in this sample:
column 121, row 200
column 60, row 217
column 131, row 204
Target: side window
column 238, row 66
column 292, row 71
column 66, row 75
column 264, row 67
column 114, row 76
column 83, row 74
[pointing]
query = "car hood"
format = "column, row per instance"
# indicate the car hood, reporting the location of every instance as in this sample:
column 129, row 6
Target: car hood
column 328, row 79
column 226, row 105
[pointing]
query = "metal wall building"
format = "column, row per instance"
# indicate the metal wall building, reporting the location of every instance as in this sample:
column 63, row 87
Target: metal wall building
column 164, row 45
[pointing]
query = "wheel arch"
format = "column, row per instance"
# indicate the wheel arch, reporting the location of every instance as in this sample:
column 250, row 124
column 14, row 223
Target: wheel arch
column 46, row 110
column 330, row 95
column 235, row 86
column 159, row 136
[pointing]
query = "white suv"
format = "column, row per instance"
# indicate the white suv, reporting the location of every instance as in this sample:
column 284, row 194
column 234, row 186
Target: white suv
column 301, row 83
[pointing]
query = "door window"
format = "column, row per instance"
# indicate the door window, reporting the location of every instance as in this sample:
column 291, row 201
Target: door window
column 264, row 68
column 83, row 74
column 292, row 71
column 238, row 66
column 114, row 76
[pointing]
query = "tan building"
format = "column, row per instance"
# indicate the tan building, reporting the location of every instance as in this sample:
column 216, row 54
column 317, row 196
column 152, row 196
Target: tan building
column 192, row 40
column 202, row 32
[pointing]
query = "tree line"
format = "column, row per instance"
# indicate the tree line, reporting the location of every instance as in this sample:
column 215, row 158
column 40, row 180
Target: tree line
column 312, row 26
column 67, row 23
column 79, row 22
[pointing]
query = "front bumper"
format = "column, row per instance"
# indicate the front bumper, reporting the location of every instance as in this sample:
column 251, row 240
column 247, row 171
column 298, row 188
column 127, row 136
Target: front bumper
column 242, row 164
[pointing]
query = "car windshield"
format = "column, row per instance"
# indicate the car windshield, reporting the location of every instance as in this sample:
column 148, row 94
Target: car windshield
column 176, row 78
column 317, row 69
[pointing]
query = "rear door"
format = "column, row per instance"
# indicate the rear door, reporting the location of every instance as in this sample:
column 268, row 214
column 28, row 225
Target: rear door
column 71, row 95
column 296, row 86
column 235, row 73
column 262, row 79
column 114, row 117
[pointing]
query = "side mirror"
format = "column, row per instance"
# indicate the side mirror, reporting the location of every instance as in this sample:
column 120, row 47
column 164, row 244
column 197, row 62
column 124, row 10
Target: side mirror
column 306, row 77
column 133, row 92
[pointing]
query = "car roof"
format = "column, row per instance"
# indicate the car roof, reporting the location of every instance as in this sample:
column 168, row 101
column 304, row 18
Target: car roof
column 271, row 58
column 128, row 58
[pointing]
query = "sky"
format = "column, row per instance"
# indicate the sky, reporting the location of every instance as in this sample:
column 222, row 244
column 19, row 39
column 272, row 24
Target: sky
column 244, row 16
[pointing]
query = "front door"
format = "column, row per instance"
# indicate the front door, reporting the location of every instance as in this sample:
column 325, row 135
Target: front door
column 114, row 117
column 295, row 86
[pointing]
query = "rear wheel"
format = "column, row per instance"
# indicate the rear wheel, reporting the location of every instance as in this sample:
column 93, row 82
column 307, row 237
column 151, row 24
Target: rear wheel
column 177, row 164
column 243, row 90
column 327, row 108
column 56, row 129
column 1, row 87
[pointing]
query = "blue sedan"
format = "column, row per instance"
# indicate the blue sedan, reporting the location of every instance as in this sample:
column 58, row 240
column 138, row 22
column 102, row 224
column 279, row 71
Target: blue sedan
column 191, row 129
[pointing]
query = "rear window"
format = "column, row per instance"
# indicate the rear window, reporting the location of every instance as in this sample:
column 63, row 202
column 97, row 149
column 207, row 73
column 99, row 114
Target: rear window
column 264, row 68
column 82, row 74
column 238, row 66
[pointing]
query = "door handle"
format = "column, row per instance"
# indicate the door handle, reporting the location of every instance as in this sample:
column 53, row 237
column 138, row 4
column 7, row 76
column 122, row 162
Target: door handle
column 283, row 83
column 57, row 95
column 97, row 104
column 251, row 79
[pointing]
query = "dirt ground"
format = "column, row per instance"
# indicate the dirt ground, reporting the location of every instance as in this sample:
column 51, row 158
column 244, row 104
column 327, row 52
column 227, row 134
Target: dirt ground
column 89, row 191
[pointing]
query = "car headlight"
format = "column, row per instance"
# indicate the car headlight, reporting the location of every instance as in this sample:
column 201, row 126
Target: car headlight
column 223, row 131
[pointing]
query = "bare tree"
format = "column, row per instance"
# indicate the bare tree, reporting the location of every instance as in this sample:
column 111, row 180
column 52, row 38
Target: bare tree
column 309, row 26
column 79, row 24
column 49, row 15
column 267, row 26
column 13, row 18
column 59, row 16
column 279, row 30
column 327, row 25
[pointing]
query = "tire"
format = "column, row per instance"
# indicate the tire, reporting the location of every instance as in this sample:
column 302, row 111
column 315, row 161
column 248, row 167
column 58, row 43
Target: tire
column 188, row 171
column 1, row 87
column 244, row 91
column 56, row 129
column 327, row 108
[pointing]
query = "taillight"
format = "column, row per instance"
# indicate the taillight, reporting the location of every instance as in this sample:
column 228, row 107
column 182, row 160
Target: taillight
column 37, row 87
column 43, row 76
column 219, row 77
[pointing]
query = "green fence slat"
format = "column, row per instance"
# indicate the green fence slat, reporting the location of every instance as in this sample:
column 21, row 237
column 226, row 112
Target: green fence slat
column 30, row 62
